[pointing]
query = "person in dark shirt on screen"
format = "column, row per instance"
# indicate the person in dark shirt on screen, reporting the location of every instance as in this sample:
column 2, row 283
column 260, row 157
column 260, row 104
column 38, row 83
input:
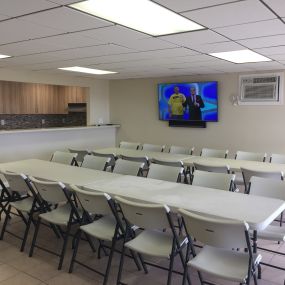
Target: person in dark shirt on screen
column 194, row 103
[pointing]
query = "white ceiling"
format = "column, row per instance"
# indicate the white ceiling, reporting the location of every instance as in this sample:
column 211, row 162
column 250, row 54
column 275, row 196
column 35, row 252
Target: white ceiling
column 42, row 35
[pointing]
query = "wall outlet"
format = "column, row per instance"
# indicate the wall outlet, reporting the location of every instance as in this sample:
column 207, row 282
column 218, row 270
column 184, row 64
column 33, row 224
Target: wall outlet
column 43, row 121
column 2, row 122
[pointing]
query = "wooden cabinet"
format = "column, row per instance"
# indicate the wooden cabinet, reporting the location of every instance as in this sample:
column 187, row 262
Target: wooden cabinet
column 36, row 98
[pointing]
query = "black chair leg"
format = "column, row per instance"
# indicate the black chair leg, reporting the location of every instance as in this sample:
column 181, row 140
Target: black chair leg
column 143, row 264
column 5, row 223
column 170, row 269
column 109, row 261
column 65, row 240
column 26, row 232
column 136, row 260
column 90, row 242
column 35, row 237
column 121, row 266
column 78, row 238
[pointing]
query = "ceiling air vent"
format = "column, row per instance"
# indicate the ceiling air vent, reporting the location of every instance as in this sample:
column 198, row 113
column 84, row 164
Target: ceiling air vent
column 261, row 89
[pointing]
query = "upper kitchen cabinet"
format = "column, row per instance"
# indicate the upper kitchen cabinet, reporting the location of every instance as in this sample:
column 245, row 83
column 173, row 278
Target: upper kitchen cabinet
column 36, row 98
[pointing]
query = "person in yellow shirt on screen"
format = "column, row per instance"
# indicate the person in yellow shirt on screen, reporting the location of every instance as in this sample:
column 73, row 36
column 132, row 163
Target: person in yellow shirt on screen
column 175, row 105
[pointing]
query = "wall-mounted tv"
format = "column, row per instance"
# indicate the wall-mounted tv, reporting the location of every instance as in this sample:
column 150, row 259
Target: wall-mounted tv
column 189, row 101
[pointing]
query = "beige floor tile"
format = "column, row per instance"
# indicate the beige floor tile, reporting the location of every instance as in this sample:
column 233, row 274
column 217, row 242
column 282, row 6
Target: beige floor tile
column 7, row 271
column 21, row 279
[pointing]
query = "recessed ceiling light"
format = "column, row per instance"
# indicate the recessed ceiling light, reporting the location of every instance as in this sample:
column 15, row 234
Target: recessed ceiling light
column 141, row 15
column 87, row 70
column 241, row 56
column 4, row 56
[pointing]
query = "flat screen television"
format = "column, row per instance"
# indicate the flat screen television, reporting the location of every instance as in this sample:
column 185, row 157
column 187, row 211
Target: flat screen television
column 189, row 101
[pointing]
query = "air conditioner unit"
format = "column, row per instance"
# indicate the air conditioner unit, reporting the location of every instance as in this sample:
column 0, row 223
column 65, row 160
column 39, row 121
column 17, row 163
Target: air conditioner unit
column 261, row 89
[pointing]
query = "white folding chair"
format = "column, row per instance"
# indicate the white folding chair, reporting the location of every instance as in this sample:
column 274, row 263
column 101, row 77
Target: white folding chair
column 277, row 158
column 212, row 167
column 56, row 209
column 209, row 152
column 181, row 150
column 98, row 222
column 112, row 157
column 248, row 173
column 221, row 181
column 96, row 162
column 152, row 241
column 64, row 157
column 22, row 198
column 217, row 258
column 80, row 155
column 153, row 147
column 129, row 145
column 127, row 167
column 165, row 172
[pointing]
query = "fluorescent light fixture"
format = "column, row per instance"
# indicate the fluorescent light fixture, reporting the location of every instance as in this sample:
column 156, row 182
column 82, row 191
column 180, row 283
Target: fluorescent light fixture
column 87, row 70
column 4, row 56
column 241, row 56
column 141, row 15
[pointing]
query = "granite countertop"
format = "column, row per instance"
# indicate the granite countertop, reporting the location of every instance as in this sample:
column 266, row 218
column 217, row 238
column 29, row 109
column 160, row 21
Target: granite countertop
column 12, row 131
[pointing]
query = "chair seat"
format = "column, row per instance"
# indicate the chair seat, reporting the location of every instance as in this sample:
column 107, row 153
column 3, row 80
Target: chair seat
column 239, row 179
column 221, row 263
column 153, row 243
column 58, row 216
column 274, row 233
column 102, row 229
column 24, row 205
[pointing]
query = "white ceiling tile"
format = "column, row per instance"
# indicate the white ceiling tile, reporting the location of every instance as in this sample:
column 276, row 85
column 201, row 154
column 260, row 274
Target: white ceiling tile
column 258, row 29
column 30, row 59
column 279, row 57
column 265, row 65
column 15, row 8
column 185, row 5
column 271, row 50
column 195, row 38
column 223, row 15
column 14, row 30
column 66, row 19
column 114, row 34
column 3, row 17
column 218, row 47
column 264, row 41
column 277, row 5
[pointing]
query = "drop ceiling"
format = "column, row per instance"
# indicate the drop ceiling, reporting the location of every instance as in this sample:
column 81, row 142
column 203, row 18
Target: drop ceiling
column 43, row 35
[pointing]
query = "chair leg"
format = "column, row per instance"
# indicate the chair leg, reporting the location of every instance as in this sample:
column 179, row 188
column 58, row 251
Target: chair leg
column 5, row 222
column 26, row 232
column 184, row 262
column 185, row 274
column 136, row 260
column 121, row 265
column 109, row 261
column 170, row 269
column 143, row 264
column 35, row 237
column 259, row 271
column 90, row 242
column 65, row 240
column 78, row 238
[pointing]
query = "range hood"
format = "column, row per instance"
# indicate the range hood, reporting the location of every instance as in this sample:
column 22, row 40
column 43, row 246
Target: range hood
column 76, row 107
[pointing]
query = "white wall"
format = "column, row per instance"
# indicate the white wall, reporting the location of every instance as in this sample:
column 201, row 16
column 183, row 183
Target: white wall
column 133, row 104
column 98, row 101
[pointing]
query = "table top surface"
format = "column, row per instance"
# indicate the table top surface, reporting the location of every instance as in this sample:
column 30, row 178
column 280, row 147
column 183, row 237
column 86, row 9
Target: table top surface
column 259, row 212
column 234, row 164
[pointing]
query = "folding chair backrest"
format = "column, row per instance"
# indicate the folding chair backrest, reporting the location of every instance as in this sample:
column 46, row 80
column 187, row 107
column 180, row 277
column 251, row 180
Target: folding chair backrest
column 221, row 181
column 153, row 147
column 95, row 162
column 209, row 152
column 112, row 156
column 248, row 173
column 221, row 233
column 165, row 172
column 266, row 187
column 129, row 145
column 92, row 202
column 277, row 158
column 181, row 150
column 252, row 156
column 212, row 168
column 64, row 157
column 80, row 154
column 127, row 167
column 142, row 159
column 146, row 216
column 50, row 191
column 168, row 163
column 16, row 182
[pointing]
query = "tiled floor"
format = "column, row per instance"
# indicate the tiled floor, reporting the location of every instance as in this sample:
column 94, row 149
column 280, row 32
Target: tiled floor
column 17, row 268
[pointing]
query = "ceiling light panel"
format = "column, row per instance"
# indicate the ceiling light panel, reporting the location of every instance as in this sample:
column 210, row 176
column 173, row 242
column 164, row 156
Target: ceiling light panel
column 141, row 15
column 241, row 56
column 87, row 70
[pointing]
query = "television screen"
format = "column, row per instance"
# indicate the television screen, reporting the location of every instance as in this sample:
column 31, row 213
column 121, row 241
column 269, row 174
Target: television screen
column 195, row 101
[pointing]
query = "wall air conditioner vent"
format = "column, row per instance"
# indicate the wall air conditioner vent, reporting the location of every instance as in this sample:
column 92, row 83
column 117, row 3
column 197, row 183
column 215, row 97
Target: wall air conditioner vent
column 261, row 89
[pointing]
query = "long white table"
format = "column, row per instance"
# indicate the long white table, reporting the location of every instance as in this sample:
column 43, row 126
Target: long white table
column 188, row 160
column 259, row 212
